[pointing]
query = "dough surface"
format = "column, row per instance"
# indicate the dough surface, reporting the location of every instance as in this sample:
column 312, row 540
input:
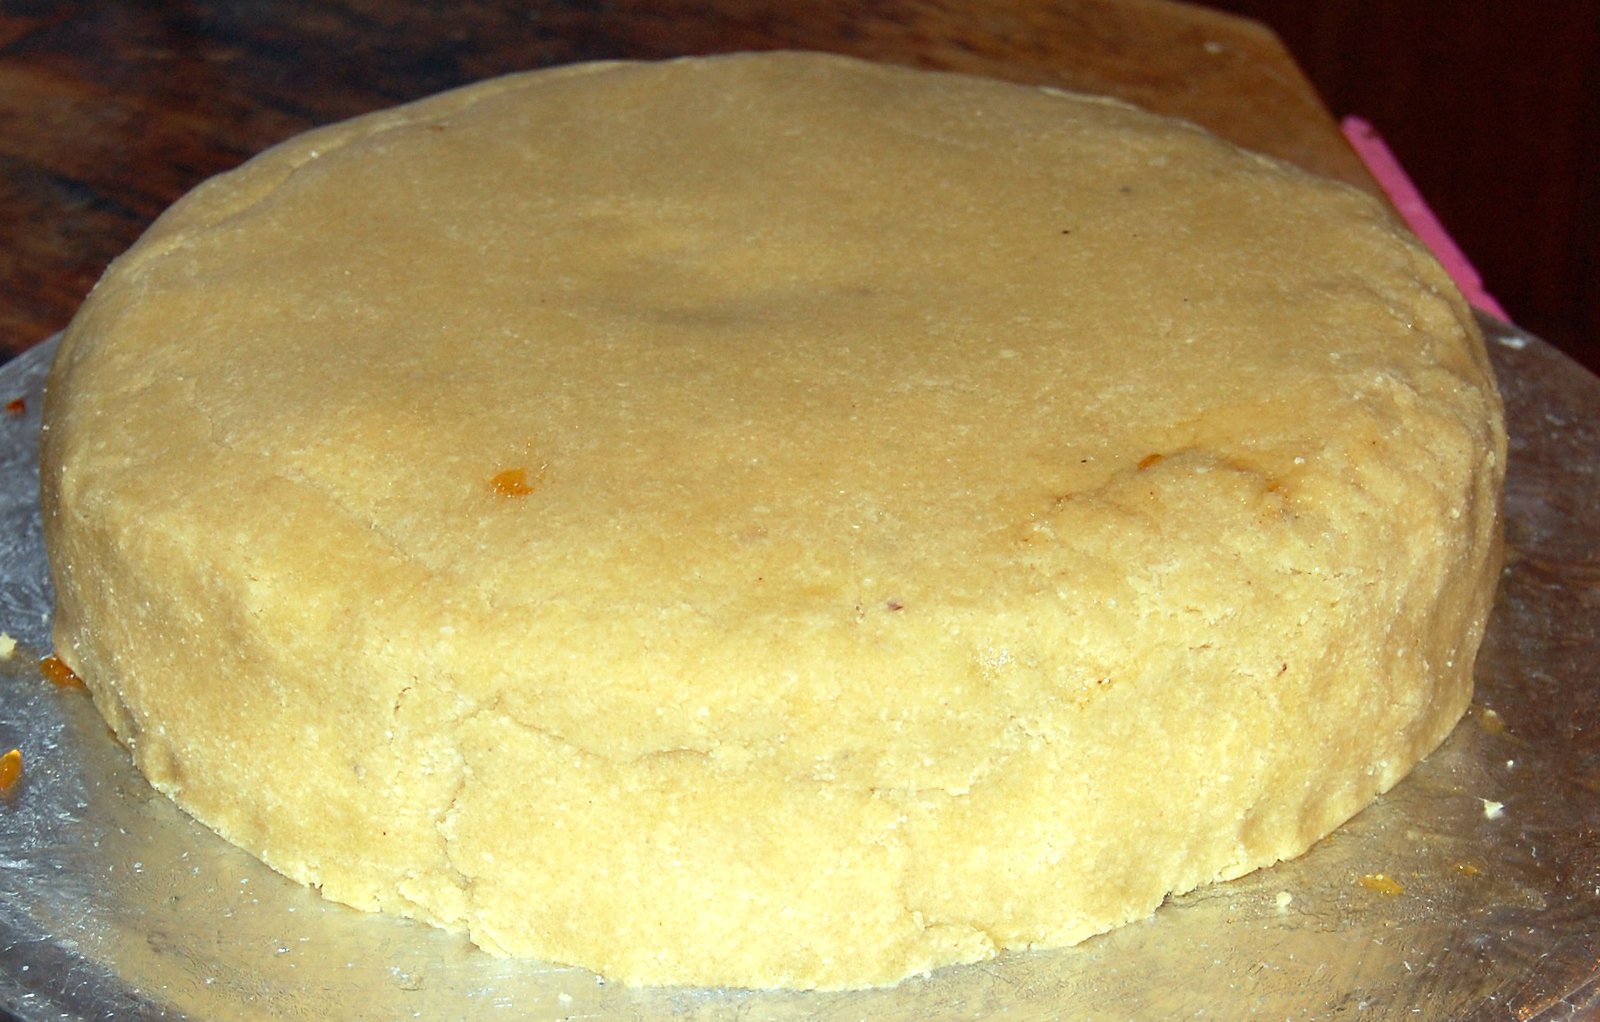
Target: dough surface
column 772, row 520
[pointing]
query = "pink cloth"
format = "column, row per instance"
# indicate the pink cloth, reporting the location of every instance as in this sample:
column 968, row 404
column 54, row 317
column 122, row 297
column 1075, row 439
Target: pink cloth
column 1369, row 145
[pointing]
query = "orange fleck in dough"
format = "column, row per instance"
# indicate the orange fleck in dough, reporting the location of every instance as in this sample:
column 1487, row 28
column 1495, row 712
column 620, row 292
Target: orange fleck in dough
column 513, row 482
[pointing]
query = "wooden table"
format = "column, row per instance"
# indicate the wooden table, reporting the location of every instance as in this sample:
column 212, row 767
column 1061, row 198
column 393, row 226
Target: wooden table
column 109, row 112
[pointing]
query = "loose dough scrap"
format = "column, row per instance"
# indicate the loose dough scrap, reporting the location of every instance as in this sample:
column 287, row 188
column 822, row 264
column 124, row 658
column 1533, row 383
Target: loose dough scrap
column 772, row 520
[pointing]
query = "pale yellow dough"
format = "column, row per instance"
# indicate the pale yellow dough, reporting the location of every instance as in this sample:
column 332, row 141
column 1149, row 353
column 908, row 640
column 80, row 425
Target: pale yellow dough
column 952, row 515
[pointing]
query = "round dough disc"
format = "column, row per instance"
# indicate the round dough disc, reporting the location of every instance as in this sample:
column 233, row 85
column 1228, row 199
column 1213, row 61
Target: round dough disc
column 772, row 520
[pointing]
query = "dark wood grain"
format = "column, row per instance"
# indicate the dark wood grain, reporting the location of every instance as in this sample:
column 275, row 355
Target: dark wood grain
column 109, row 112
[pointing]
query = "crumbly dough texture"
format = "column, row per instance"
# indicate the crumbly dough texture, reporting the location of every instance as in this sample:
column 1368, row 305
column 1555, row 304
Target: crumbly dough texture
column 772, row 520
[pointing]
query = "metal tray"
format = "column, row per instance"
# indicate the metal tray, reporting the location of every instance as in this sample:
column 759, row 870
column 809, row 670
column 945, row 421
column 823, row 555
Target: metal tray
column 114, row 905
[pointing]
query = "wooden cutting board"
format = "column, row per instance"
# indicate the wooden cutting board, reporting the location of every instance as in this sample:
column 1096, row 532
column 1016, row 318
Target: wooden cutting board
column 109, row 112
